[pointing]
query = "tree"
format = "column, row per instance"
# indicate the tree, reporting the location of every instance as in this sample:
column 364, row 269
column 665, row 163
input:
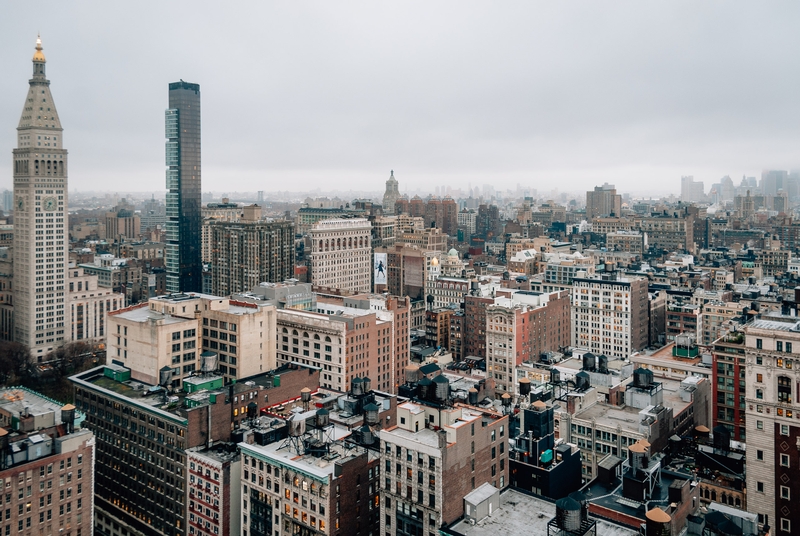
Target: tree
column 15, row 364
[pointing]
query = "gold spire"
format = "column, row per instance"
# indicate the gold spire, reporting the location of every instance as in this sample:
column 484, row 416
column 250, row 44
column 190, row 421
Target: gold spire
column 38, row 55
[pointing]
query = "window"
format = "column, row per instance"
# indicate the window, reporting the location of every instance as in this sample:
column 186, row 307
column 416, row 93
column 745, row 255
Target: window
column 784, row 460
column 760, row 487
column 759, row 378
column 759, row 344
column 784, row 492
column 760, row 425
column 784, row 429
column 786, row 525
column 779, row 346
column 760, row 455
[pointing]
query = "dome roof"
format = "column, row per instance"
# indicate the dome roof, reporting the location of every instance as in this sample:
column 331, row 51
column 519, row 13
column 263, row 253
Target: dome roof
column 38, row 55
column 434, row 262
column 452, row 253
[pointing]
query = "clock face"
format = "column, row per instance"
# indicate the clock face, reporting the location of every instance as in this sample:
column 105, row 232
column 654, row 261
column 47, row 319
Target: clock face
column 49, row 203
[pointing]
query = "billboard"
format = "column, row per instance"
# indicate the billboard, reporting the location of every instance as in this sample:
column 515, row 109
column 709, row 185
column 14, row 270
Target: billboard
column 380, row 268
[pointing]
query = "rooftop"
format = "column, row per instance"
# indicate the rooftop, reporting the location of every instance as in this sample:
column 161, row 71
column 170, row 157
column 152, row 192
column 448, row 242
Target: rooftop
column 521, row 513
column 285, row 454
column 607, row 415
column 598, row 494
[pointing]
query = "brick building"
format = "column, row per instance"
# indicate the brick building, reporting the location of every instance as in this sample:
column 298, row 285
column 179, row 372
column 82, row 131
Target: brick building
column 521, row 329
column 432, row 458
column 143, row 482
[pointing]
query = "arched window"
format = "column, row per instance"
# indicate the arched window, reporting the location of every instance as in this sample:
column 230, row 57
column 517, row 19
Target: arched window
column 285, row 330
column 316, row 337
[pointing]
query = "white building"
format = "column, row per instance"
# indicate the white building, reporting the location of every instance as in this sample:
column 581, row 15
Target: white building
column 89, row 304
column 41, row 313
column 341, row 254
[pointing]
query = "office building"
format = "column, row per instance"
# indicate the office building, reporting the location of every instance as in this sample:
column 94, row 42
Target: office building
column 46, row 466
column 356, row 339
column 603, row 202
column 41, row 314
column 610, row 314
column 341, row 255
column 176, row 330
column 184, row 219
column 692, row 191
column 89, row 304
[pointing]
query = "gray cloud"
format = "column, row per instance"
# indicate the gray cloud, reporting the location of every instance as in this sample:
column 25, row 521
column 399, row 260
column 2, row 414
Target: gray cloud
column 296, row 95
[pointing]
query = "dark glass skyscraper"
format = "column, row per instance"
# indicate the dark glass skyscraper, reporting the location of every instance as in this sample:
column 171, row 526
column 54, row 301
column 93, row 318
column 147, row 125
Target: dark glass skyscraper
column 184, row 220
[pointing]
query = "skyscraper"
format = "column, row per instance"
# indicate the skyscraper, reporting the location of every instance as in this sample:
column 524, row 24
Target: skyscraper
column 184, row 221
column 41, row 315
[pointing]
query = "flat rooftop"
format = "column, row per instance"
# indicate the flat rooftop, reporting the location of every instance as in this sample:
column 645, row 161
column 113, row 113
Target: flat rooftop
column 19, row 400
column 521, row 513
column 284, row 452
column 143, row 314
column 608, row 415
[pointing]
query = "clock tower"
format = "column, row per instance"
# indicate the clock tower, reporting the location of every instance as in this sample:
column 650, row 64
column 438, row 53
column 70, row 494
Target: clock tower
column 41, row 255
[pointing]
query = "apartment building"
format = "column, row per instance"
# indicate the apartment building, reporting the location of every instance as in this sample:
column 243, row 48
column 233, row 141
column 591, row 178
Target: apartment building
column 520, row 329
column 433, row 457
column 250, row 251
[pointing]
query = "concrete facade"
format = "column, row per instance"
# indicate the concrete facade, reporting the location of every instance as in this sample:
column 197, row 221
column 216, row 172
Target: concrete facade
column 341, row 254
column 41, row 312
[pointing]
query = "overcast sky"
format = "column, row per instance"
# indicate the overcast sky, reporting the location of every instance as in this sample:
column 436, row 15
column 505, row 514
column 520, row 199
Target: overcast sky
column 304, row 95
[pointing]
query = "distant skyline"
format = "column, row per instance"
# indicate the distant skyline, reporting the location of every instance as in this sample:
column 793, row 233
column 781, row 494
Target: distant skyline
column 335, row 95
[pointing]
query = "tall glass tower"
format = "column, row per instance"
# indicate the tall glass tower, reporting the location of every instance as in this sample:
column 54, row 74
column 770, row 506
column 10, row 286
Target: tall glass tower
column 184, row 220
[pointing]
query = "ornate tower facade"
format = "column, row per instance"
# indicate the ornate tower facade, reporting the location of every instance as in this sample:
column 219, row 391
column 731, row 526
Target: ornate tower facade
column 391, row 195
column 41, row 312
column 183, row 252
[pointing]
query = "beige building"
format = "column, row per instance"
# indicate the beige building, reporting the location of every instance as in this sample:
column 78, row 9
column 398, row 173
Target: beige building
column 89, row 304
column 341, row 254
column 41, row 256
column 603, row 201
column 610, row 314
column 715, row 319
column 173, row 331
column 630, row 241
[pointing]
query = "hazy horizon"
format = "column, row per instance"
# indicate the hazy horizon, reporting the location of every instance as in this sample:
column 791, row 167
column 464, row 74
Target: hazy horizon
column 316, row 95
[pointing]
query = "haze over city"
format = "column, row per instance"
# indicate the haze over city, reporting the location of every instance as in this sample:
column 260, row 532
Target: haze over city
column 305, row 96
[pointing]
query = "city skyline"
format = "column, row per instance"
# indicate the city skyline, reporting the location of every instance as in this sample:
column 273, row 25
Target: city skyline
column 457, row 96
